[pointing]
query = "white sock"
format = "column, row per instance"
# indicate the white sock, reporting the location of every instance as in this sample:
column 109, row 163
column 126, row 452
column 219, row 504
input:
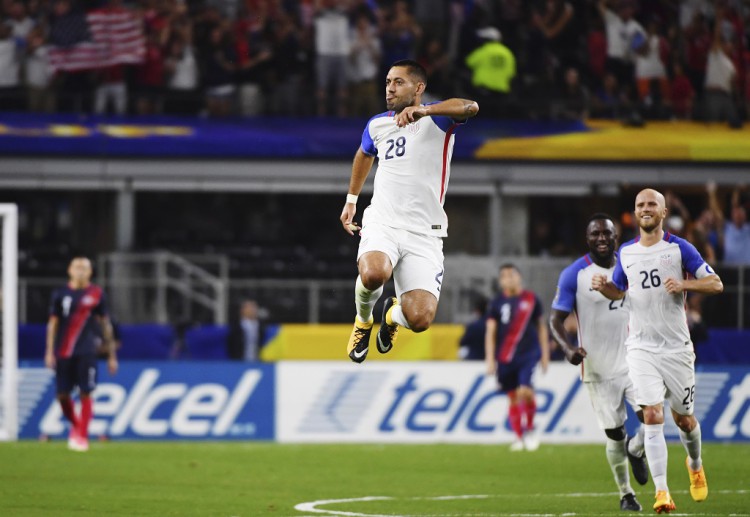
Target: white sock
column 635, row 445
column 397, row 315
column 656, row 454
column 618, row 462
column 692, row 443
column 365, row 300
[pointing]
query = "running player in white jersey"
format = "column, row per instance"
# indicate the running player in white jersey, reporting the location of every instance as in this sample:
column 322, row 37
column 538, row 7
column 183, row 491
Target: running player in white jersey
column 653, row 269
column 602, row 329
column 403, row 227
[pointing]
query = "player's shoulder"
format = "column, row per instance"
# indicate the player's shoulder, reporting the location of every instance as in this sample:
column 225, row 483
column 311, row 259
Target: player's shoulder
column 375, row 118
column 626, row 245
column 577, row 266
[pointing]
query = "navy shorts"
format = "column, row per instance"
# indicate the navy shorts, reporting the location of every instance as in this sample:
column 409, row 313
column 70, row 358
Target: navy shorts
column 516, row 373
column 77, row 370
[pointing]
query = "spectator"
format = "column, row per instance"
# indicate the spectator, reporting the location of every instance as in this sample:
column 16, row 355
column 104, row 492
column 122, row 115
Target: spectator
column 332, row 53
column 246, row 334
column 734, row 236
column 41, row 97
column 437, row 64
column 150, row 76
column 219, row 73
column 649, row 67
column 112, row 88
column 720, row 79
column 609, row 102
column 555, row 35
column 471, row 346
column 181, row 69
column 697, row 46
column 493, row 68
column 682, row 94
column 621, row 28
column 365, row 63
column 573, row 102
column 9, row 68
column 289, row 64
column 400, row 35
column 20, row 23
column 596, row 44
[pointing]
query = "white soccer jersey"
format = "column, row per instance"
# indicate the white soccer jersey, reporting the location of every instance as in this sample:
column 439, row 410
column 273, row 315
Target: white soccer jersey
column 658, row 321
column 412, row 174
column 602, row 323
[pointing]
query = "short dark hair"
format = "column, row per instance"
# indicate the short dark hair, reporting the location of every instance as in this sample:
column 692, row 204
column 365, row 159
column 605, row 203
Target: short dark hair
column 510, row 265
column 413, row 68
column 81, row 256
column 599, row 216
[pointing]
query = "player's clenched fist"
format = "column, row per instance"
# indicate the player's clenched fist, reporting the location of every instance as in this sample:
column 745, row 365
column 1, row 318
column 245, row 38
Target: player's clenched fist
column 598, row 281
column 674, row 285
column 347, row 214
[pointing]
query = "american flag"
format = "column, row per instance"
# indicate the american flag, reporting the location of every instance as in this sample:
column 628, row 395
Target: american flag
column 104, row 37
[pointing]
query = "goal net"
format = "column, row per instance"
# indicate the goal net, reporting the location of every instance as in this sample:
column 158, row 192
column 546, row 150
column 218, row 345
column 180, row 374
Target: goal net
column 9, row 323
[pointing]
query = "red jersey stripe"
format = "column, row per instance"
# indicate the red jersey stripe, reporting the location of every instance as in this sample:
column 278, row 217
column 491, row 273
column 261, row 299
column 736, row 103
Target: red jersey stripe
column 445, row 160
column 517, row 327
column 78, row 321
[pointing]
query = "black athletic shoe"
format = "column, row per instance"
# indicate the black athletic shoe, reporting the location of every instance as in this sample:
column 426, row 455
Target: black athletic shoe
column 359, row 341
column 629, row 503
column 387, row 333
column 638, row 464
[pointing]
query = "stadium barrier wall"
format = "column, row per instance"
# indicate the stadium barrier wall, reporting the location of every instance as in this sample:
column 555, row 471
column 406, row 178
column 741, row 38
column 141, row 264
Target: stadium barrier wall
column 316, row 401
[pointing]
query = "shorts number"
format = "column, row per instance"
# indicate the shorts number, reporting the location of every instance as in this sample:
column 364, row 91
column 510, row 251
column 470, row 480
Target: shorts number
column 689, row 397
column 399, row 144
column 649, row 275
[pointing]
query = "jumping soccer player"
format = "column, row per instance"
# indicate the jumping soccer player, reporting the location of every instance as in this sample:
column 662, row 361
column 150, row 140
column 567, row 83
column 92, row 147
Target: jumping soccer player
column 72, row 345
column 660, row 355
column 403, row 228
column 602, row 330
column 516, row 340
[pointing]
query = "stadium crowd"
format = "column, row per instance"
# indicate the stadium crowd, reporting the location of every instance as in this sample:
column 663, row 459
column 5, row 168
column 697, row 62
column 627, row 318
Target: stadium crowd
column 564, row 59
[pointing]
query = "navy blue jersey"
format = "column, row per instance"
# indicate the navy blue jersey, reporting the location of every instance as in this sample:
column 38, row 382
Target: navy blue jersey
column 516, row 318
column 75, row 310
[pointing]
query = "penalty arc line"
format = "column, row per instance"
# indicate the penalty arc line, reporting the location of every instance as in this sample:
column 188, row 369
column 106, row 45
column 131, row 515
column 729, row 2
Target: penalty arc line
column 312, row 506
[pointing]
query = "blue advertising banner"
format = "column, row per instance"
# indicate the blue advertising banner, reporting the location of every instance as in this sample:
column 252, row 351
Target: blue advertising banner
column 160, row 400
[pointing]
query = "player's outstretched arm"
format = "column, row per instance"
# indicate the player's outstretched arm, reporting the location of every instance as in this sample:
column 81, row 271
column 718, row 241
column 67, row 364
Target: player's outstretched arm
column 608, row 289
column 710, row 284
column 360, row 169
column 574, row 354
column 457, row 109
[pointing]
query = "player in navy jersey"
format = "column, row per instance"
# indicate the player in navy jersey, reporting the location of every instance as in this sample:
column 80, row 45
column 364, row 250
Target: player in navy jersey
column 515, row 341
column 403, row 227
column 602, row 330
column 72, row 338
column 657, row 270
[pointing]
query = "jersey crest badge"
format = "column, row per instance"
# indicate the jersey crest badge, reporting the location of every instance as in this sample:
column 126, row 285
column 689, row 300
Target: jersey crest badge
column 413, row 127
column 665, row 260
column 88, row 300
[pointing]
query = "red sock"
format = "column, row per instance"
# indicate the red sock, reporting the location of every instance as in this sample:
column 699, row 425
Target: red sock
column 69, row 411
column 86, row 411
column 529, row 409
column 514, row 417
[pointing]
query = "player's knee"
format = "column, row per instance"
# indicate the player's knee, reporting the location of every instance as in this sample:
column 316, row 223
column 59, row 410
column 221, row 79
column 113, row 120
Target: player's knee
column 617, row 434
column 653, row 415
column 685, row 422
column 62, row 397
column 372, row 279
column 420, row 322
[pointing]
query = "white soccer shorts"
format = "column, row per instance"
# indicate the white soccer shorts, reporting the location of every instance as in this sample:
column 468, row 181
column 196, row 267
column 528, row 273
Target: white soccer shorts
column 608, row 398
column 660, row 377
column 417, row 259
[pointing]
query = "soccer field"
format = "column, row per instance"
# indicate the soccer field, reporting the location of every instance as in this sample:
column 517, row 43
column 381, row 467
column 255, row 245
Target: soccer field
column 249, row 479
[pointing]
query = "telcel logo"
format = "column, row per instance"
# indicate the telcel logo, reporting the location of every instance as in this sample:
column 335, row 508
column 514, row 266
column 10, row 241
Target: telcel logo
column 202, row 410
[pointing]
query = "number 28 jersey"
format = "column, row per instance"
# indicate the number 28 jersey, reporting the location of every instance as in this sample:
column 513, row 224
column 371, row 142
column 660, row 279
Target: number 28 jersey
column 413, row 172
column 658, row 321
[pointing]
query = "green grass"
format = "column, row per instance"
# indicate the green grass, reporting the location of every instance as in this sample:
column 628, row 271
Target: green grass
column 253, row 479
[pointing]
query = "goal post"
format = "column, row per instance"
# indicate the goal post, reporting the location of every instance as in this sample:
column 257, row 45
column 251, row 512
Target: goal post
column 9, row 308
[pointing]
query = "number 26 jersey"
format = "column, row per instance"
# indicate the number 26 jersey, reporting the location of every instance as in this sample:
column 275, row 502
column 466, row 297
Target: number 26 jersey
column 658, row 321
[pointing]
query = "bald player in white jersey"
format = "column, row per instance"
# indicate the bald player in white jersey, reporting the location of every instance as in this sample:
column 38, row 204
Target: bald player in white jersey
column 403, row 227
column 657, row 269
column 602, row 330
